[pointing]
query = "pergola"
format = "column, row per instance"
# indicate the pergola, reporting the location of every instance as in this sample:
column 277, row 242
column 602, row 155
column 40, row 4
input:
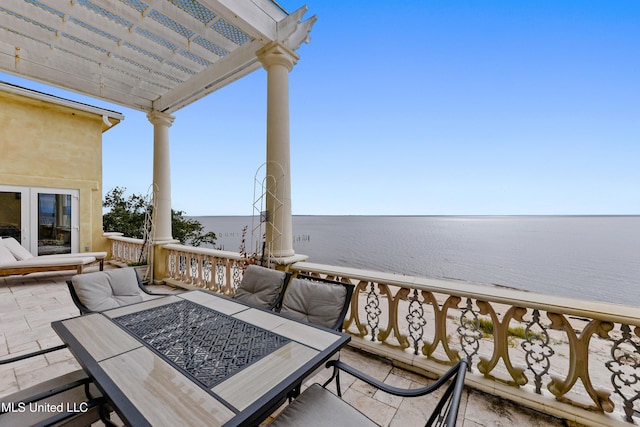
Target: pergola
column 158, row 56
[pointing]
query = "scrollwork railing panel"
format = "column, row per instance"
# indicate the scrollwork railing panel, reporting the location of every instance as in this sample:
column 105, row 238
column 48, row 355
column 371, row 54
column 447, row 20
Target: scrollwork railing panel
column 519, row 340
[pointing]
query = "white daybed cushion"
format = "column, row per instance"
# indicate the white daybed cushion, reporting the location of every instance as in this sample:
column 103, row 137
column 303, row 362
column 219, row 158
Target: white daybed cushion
column 96, row 255
column 6, row 257
column 18, row 251
column 21, row 253
column 103, row 290
column 45, row 261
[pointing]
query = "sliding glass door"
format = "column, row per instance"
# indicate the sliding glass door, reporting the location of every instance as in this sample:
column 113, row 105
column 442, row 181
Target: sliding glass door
column 43, row 220
column 54, row 223
column 12, row 212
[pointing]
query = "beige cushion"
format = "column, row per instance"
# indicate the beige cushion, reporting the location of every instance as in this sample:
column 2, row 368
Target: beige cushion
column 16, row 249
column 48, row 261
column 96, row 255
column 103, row 290
column 260, row 286
column 318, row 407
column 313, row 302
column 6, row 257
column 20, row 253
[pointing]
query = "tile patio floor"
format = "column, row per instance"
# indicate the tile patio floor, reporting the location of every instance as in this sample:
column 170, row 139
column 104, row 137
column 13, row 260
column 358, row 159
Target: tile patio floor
column 28, row 305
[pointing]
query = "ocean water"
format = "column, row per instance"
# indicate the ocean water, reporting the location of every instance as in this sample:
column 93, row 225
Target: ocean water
column 585, row 257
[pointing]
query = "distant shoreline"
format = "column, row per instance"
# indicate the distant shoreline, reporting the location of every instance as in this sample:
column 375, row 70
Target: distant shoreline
column 569, row 255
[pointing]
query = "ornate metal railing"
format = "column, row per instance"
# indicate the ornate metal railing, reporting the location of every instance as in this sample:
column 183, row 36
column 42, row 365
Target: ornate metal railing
column 573, row 359
column 211, row 269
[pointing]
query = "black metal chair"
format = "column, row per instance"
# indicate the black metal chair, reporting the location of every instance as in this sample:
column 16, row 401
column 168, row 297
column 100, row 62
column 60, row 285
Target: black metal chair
column 75, row 398
column 262, row 287
column 318, row 407
column 319, row 301
column 103, row 290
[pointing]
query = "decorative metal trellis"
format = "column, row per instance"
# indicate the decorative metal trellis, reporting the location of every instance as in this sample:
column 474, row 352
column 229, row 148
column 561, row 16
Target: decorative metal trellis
column 267, row 223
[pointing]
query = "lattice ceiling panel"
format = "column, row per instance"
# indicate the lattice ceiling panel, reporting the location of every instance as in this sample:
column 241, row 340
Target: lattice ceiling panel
column 153, row 54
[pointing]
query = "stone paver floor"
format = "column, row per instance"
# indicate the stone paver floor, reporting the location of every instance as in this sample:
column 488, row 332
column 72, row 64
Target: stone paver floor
column 28, row 305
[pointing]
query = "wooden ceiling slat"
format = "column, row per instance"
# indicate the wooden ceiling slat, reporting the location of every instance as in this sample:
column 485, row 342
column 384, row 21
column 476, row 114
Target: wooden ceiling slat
column 81, row 84
column 210, row 80
column 101, row 47
column 186, row 20
column 150, row 88
column 256, row 18
column 131, row 34
column 65, row 60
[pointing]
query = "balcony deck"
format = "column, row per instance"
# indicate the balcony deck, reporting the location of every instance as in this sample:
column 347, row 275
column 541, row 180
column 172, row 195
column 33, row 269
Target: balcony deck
column 29, row 304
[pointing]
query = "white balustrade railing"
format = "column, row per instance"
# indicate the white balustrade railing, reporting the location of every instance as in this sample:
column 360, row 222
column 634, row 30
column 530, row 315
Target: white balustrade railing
column 212, row 269
column 126, row 250
column 578, row 360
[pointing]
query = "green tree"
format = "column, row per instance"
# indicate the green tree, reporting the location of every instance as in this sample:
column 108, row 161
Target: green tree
column 127, row 215
column 189, row 231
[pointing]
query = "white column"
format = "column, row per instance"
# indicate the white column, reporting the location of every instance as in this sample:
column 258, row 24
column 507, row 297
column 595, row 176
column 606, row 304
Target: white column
column 161, row 175
column 278, row 60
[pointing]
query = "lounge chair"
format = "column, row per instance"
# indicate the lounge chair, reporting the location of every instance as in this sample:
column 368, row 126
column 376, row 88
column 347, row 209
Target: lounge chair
column 15, row 259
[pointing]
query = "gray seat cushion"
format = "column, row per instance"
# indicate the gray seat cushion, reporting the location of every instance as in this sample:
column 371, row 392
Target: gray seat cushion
column 313, row 302
column 318, row 407
column 260, row 286
column 103, row 290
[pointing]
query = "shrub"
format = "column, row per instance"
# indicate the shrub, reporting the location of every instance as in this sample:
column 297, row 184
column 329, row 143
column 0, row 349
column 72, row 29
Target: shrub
column 486, row 327
column 127, row 215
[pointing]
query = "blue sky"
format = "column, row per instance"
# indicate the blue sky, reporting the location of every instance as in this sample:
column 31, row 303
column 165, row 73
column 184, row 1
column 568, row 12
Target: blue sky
column 421, row 108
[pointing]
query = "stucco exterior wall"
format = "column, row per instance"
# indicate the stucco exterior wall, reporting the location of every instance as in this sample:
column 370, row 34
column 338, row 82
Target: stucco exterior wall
column 43, row 144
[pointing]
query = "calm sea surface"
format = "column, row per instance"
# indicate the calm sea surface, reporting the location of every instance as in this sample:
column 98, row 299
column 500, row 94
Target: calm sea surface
column 585, row 257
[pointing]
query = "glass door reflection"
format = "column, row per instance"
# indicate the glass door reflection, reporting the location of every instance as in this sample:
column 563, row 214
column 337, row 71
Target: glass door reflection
column 11, row 214
column 54, row 223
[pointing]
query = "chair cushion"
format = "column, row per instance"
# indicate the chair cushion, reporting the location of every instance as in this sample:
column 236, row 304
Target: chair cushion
column 6, row 257
column 313, row 302
column 18, row 251
column 107, row 289
column 260, row 286
column 318, row 407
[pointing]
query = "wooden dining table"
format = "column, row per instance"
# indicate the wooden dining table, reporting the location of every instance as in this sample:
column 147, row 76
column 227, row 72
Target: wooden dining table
column 196, row 359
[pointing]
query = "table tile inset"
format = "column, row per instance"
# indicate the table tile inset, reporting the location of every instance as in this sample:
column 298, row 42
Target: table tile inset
column 256, row 380
column 161, row 393
column 99, row 336
column 207, row 345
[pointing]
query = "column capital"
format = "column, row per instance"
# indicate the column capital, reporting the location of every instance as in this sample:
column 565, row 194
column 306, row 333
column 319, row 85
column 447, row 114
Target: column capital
column 159, row 118
column 276, row 53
